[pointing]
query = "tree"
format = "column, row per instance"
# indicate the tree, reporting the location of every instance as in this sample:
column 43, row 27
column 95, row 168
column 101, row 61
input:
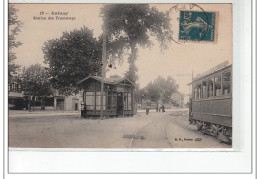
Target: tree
column 35, row 83
column 153, row 91
column 71, row 58
column 14, row 26
column 131, row 25
column 167, row 87
column 160, row 89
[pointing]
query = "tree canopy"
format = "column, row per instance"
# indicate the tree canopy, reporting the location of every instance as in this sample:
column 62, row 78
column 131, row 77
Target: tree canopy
column 160, row 89
column 168, row 87
column 35, row 81
column 130, row 25
column 72, row 57
column 14, row 25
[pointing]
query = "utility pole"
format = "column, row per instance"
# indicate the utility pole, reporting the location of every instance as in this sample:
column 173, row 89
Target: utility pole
column 103, row 66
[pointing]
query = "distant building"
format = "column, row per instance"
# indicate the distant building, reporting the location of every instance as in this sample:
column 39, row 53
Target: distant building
column 15, row 96
column 180, row 100
column 17, row 100
column 71, row 103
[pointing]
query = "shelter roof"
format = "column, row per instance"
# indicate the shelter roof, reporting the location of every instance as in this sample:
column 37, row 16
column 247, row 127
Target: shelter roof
column 112, row 81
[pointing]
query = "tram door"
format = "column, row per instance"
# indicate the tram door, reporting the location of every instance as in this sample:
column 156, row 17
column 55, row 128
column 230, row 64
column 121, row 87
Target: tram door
column 120, row 106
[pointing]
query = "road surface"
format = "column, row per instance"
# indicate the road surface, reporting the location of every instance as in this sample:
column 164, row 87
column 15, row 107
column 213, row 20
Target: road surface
column 172, row 130
column 68, row 130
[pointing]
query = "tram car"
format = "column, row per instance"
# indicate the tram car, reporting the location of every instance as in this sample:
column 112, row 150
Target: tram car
column 211, row 102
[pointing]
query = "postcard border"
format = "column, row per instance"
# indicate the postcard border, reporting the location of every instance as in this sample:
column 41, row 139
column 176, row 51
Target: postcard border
column 4, row 97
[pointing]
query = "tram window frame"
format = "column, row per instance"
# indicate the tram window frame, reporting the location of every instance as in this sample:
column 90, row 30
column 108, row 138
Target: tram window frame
column 195, row 91
column 230, row 83
column 212, row 90
column 204, row 92
column 199, row 90
column 219, row 76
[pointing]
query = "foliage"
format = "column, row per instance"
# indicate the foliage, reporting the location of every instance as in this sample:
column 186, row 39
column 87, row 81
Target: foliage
column 130, row 25
column 160, row 89
column 14, row 26
column 71, row 58
column 35, row 81
column 168, row 87
column 153, row 91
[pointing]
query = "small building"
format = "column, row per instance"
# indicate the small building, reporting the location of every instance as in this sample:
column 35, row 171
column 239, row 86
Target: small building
column 15, row 97
column 67, row 103
column 118, row 97
column 177, row 99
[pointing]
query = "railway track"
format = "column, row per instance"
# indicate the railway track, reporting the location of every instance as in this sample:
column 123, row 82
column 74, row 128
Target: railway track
column 145, row 132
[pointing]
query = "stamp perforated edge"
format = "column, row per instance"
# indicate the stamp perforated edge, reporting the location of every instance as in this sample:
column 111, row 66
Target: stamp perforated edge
column 198, row 41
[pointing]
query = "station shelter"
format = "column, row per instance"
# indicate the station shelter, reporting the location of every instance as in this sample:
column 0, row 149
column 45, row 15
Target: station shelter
column 118, row 97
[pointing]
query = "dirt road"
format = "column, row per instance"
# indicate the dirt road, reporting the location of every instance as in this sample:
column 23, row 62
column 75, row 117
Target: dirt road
column 157, row 130
column 172, row 130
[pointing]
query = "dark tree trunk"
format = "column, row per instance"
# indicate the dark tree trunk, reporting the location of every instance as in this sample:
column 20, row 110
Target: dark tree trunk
column 131, row 74
column 29, row 104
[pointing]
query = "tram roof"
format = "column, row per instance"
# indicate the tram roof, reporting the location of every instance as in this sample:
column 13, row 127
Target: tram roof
column 208, row 74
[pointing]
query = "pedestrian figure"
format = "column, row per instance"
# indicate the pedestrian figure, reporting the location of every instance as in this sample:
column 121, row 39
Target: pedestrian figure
column 163, row 108
column 147, row 110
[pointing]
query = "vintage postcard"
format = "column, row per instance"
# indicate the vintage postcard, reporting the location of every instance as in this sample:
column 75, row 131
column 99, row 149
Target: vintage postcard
column 120, row 76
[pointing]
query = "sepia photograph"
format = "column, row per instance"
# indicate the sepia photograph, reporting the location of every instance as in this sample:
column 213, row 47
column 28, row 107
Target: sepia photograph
column 120, row 76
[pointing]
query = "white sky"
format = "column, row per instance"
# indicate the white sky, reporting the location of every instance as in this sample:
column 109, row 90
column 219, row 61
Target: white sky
column 178, row 61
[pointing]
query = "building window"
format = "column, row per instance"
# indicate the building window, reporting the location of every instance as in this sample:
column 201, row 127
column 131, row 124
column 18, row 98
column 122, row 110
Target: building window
column 114, row 102
column 90, row 100
column 210, row 87
column 226, row 82
column 129, row 102
column 14, row 87
column 218, row 85
column 204, row 89
column 109, row 101
column 98, row 100
column 49, row 101
column 125, row 101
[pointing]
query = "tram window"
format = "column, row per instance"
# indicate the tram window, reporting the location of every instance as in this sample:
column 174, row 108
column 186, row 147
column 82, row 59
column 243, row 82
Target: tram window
column 204, row 89
column 226, row 83
column 195, row 92
column 210, row 87
column 199, row 91
column 218, row 85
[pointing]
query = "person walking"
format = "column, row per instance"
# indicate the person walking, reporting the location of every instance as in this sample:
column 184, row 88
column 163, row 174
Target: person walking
column 147, row 110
